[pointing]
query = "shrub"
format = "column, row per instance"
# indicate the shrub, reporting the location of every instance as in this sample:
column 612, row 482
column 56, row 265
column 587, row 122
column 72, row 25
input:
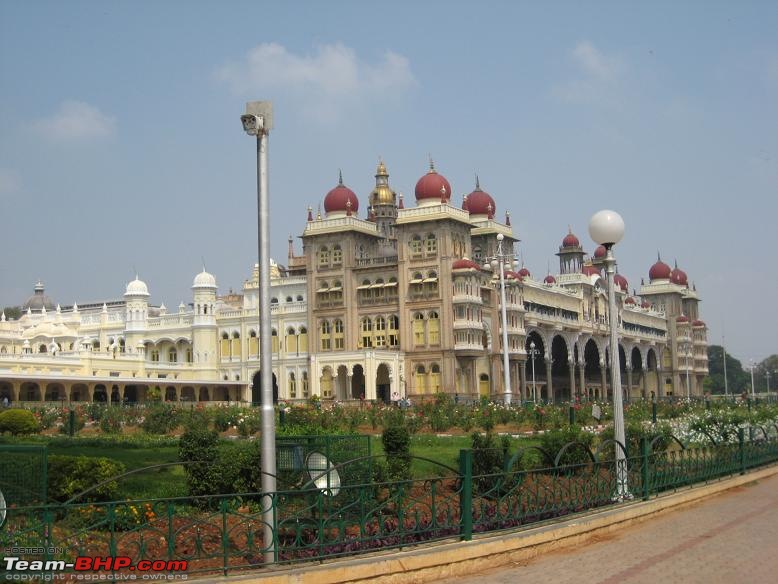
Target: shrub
column 111, row 421
column 198, row 448
column 160, row 419
column 18, row 422
column 554, row 440
column 71, row 475
column 397, row 446
column 489, row 454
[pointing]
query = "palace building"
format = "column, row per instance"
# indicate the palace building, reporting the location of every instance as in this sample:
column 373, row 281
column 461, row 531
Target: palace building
column 404, row 302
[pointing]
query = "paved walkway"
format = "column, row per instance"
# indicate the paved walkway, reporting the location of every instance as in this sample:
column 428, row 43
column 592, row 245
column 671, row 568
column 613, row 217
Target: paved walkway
column 729, row 539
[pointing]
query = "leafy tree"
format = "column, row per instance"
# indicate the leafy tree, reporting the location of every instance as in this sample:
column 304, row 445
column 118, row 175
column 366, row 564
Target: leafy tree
column 738, row 380
column 12, row 312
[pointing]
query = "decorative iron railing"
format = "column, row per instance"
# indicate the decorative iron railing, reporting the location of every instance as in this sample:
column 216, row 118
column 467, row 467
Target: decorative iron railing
column 319, row 521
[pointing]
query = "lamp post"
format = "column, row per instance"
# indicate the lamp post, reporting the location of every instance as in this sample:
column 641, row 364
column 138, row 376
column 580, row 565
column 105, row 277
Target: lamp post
column 753, row 387
column 499, row 258
column 258, row 121
column 607, row 228
column 533, row 352
column 687, row 347
column 724, row 354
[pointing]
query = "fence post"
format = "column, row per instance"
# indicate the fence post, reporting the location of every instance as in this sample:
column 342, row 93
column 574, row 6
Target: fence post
column 653, row 412
column 466, row 495
column 644, row 471
column 571, row 415
column 741, row 439
column 72, row 422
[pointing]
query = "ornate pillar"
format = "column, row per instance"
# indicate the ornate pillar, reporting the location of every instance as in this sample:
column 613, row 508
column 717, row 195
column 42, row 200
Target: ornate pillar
column 16, row 388
column 549, row 381
column 178, row 393
column 522, row 371
column 582, row 379
column 604, row 382
column 660, row 386
column 90, row 390
column 629, row 380
column 572, row 379
column 68, row 389
column 645, row 381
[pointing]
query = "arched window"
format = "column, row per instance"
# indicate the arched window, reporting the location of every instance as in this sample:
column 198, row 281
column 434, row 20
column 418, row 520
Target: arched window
column 418, row 329
column 274, row 301
column 274, row 340
column 305, row 384
column 339, row 335
column 291, row 340
column 325, row 383
column 433, row 328
column 367, row 333
column 431, row 282
column 289, row 299
column 434, row 378
column 235, row 354
column 421, row 379
column 337, row 255
column 325, row 341
column 292, row 386
column 380, row 332
column 416, row 245
column 431, row 244
column 302, row 342
column 324, row 257
column 224, row 347
column 253, row 344
column 299, row 298
column 172, row 356
column 394, row 331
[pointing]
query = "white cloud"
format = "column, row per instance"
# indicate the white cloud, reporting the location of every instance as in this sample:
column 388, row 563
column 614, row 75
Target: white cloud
column 10, row 181
column 330, row 80
column 598, row 76
column 76, row 121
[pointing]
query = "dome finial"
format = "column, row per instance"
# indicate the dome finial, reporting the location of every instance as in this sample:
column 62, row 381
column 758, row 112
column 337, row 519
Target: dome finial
column 477, row 183
column 658, row 256
column 569, row 229
column 310, row 213
column 318, row 213
column 675, row 263
column 340, row 177
column 432, row 163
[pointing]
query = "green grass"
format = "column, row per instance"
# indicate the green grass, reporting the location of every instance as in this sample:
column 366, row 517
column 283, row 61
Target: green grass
column 170, row 481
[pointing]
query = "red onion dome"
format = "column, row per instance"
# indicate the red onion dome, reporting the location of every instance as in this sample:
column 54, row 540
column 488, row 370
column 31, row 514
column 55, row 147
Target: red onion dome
column 465, row 264
column 659, row 271
column 698, row 323
column 590, row 271
column 678, row 277
column 682, row 319
column 645, row 304
column 549, row 279
column 433, row 186
column 338, row 199
column 513, row 275
column 480, row 202
column 621, row 282
column 630, row 300
column 570, row 240
column 600, row 252
column 524, row 273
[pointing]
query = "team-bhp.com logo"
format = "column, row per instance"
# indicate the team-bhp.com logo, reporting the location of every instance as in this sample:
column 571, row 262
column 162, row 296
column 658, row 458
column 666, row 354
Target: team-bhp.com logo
column 93, row 568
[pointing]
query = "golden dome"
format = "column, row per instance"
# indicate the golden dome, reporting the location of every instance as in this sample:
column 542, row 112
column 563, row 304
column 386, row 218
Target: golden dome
column 382, row 194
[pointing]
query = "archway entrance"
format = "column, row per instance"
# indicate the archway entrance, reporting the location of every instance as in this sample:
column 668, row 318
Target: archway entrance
column 358, row 383
column 256, row 389
column 382, row 383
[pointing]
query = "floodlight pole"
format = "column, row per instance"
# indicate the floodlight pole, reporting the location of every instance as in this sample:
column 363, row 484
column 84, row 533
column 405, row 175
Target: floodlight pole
column 257, row 122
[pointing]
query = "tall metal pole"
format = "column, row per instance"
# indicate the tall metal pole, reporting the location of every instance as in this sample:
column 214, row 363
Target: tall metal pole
column 753, row 388
column 533, row 352
column 506, row 374
column 724, row 353
column 268, row 419
column 688, row 387
column 622, row 489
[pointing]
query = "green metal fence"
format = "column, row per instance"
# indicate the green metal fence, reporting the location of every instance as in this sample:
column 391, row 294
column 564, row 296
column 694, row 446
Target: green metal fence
column 224, row 534
column 23, row 474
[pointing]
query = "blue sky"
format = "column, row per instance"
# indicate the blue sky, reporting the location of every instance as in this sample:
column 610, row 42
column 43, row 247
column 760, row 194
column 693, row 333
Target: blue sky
column 121, row 147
